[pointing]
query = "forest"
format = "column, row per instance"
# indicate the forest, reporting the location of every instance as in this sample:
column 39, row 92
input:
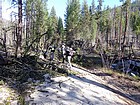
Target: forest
column 100, row 35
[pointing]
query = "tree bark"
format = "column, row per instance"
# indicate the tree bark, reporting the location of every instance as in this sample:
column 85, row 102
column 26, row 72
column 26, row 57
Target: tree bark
column 120, row 34
column 126, row 26
column 19, row 33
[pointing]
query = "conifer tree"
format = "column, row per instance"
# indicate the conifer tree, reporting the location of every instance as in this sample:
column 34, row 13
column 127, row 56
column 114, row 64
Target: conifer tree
column 36, row 24
column 85, row 21
column 72, row 19
column 60, row 28
column 127, row 13
column 53, row 26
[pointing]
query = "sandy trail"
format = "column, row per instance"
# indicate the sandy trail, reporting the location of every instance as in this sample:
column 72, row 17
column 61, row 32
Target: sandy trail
column 82, row 89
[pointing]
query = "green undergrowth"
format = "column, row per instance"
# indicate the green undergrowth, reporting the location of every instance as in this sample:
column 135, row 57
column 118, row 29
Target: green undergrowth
column 93, row 61
column 121, row 74
column 88, row 61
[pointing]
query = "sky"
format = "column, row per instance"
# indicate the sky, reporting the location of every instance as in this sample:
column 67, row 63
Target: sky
column 60, row 6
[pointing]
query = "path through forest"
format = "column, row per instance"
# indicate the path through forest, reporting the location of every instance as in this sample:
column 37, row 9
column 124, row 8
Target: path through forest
column 81, row 89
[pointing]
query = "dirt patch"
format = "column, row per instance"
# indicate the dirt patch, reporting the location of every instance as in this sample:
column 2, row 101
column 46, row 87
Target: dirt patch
column 128, row 85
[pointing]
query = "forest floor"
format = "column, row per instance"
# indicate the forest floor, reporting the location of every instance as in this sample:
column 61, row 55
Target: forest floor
column 92, row 86
column 83, row 88
column 128, row 85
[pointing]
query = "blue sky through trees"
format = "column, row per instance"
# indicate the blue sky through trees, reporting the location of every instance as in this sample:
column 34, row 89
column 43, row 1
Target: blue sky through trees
column 60, row 6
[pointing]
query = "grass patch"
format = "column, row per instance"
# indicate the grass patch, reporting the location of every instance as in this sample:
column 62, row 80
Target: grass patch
column 119, row 74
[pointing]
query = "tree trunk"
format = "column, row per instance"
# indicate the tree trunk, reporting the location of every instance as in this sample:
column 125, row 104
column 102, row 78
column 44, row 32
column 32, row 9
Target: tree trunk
column 4, row 43
column 120, row 34
column 126, row 26
column 19, row 33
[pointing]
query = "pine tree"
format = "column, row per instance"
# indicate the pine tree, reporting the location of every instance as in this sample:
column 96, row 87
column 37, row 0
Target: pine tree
column 99, row 14
column 93, row 23
column 99, row 7
column 53, row 26
column 72, row 19
column 53, row 20
column 93, row 29
column 19, row 28
column 127, row 9
column 36, row 24
column 60, row 29
column 92, row 7
column 85, row 21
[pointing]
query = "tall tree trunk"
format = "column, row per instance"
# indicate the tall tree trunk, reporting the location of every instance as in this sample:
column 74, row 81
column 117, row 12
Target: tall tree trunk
column 107, row 38
column 4, row 42
column 19, row 33
column 27, row 30
column 120, row 34
column 126, row 27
